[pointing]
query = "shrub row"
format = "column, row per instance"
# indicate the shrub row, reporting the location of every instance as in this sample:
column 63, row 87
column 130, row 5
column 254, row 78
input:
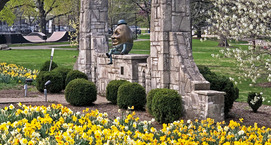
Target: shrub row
column 78, row 90
column 126, row 94
column 164, row 104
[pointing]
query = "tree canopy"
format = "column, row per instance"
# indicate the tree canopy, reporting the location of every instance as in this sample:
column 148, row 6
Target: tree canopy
column 45, row 10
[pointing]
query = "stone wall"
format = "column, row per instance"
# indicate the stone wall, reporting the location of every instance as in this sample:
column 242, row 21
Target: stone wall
column 124, row 67
column 93, row 31
column 171, row 64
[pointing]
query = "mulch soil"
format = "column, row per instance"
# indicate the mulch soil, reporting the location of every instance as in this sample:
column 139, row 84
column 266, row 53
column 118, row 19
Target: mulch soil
column 239, row 109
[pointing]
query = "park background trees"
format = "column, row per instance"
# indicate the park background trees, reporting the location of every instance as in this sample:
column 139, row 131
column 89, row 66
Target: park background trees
column 43, row 10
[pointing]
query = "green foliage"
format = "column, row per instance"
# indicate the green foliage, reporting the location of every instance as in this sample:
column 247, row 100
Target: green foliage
column 131, row 94
column 75, row 74
column 112, row 90
column 7, row 16
column 80, row 92
column 254, row 100
column 221, row 83
column 63, row 71
column 43, row 9
column 166, row 106
column 54, row 77
column 149, row 99
column 46, row 65
column 40, row 81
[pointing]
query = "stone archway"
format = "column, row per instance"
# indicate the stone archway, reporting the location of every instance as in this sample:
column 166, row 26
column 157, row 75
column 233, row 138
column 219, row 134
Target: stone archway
column 170, row 64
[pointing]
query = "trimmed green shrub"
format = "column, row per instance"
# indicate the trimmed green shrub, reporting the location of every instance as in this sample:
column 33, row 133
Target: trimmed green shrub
column 254, row 100
column 131, row 94
column 221, row 83
column 149, row 99
column 75, row 74
column 40, row 81
column 63, row 71
column 54, row 77
column 80, row 92
column 46, row 64
column 166, row 106
column 112, row 90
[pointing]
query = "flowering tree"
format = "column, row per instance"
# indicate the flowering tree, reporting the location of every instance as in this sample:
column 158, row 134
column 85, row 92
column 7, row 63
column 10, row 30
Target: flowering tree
column 241, row 19
column 245, row 19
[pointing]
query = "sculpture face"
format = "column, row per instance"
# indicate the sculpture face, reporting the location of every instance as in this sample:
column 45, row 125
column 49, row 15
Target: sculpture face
column 122, row 34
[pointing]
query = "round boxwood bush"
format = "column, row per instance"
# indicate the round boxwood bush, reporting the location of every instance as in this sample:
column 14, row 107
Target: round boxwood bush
column 221, row 83
column 112, row 90
column 81, row 92
column 75, row 74
column 54, row 77
column 254, row 100
column 131, row 94
column 46, row 65
column 149, row 99
column 166, row 106
column 40, row 81
column 63, row 71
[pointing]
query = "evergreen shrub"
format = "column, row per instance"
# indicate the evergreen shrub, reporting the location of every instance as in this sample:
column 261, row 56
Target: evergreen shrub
column 131, row 94
column 81, row 92
column 149, row 99
column 54, row 77
column 221, row 83
column 75, row 74
column 112, row 90
column 254, row 100
column 166, row 106
column 63, row 71
column 46, row 64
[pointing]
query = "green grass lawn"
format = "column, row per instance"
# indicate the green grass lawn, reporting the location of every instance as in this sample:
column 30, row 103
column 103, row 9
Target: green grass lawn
column 33, row 59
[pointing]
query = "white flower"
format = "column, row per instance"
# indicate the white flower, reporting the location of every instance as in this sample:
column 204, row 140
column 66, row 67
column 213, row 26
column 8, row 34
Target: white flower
column 241, row 132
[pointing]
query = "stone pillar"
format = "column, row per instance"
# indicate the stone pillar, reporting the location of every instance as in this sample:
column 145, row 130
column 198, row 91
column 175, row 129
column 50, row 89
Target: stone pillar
column 92, row 39
column 171, row 64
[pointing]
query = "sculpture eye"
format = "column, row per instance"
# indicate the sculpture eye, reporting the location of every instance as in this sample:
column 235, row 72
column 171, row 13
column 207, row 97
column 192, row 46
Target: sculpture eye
column 117, row 32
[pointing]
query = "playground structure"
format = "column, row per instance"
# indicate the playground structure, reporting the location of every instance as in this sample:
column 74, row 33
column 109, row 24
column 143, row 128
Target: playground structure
column 36, row 37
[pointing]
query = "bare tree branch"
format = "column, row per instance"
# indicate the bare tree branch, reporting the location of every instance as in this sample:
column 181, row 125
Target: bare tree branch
column 52, row 7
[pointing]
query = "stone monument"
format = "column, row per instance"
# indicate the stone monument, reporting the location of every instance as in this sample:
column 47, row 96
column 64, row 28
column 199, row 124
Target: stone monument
column 170, row 64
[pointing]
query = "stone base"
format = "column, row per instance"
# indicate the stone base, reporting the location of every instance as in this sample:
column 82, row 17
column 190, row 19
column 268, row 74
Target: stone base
column 204, row 104
column 124, row 67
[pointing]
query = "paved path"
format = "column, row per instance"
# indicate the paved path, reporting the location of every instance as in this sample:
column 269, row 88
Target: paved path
column 44, row 47
column 59, row 98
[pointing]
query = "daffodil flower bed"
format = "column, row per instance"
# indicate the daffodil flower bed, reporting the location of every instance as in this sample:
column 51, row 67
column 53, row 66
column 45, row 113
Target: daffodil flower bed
column 57, row 124
column 13, row 72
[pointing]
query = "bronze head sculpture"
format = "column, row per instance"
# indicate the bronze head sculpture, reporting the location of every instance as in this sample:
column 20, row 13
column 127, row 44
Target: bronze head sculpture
column 122, row 40
column 122, row 34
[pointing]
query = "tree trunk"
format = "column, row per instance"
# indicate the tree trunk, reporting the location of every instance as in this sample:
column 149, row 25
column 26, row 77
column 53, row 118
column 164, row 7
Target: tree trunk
column 223, row 42
column 3, row 3
column 42, row 16
column 199, row 33
column 149, row 21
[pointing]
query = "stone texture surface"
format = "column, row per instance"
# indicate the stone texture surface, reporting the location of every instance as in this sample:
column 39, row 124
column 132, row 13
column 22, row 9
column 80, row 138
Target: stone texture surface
column 171, row 64
column 93, row 40
column 124, row 67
